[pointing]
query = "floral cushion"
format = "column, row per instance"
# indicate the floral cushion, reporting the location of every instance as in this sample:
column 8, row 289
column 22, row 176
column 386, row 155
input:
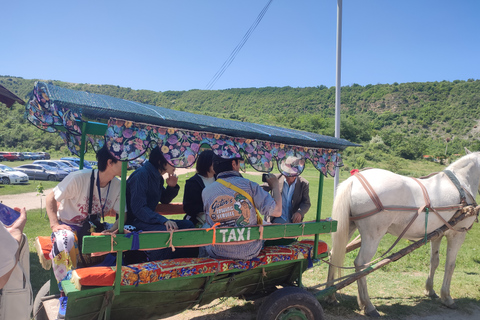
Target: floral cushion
column 148, row 272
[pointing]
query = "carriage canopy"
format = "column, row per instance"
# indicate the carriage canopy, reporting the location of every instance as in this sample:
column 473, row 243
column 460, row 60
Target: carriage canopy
column 179, row 134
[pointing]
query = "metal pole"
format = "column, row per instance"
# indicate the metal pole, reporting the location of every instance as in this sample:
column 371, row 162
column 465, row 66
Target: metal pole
column 83, row 144
column 319, row 214
column 338, row 85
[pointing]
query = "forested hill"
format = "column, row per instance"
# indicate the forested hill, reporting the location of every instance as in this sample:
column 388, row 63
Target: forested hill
column 409, row 119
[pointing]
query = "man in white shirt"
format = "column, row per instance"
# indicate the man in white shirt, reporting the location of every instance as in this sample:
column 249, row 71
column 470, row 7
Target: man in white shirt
column 73, row 216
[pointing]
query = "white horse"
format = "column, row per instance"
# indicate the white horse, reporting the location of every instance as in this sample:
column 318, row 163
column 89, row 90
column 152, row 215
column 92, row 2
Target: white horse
column 394, row 192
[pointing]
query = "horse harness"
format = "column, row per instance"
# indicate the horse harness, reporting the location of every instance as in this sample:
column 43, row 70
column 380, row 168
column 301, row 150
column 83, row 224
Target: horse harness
column 427, row 207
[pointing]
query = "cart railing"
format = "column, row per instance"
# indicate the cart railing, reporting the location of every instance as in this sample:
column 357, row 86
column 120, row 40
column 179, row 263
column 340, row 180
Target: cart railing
column 203, row 237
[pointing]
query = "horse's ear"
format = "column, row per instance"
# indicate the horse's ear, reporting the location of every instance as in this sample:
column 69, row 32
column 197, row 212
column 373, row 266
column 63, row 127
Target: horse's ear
column 467, row 151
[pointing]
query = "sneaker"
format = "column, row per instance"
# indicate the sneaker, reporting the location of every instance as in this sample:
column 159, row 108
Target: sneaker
column 63, row 307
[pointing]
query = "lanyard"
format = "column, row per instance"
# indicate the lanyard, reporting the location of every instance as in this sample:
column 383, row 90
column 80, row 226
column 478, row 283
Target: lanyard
column 100, row 195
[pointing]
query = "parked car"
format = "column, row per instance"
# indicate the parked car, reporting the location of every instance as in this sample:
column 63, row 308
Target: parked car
column 9, row 175
column 31, row 156
column 44, row 155
column 56, row 164
column 71, row 164
column 42, row 172
column 86, row 164
column 2, row 157
column 20, row 156
column 10, row 156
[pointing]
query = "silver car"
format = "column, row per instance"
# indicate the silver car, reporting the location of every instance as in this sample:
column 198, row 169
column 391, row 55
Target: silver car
column 42, row 172
column 55, row 164
column 71, row 164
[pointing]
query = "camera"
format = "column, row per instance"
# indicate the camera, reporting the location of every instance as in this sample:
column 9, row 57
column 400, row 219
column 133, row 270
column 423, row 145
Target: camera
column 264, row 177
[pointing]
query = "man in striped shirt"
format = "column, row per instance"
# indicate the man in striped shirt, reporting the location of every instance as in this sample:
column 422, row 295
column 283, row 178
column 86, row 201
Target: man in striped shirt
column 234, row 206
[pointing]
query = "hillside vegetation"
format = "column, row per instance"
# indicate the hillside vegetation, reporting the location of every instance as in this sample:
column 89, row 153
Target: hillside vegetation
column 406, row 120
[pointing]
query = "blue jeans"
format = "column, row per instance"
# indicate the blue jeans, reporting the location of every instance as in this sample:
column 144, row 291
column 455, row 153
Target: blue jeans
column 278, row 220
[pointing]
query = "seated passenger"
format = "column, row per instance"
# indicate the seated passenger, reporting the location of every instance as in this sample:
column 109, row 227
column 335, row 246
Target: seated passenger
column 295, row 198
column 76, row 214
column 144, row 191
column 192, row 197
column 232, row 208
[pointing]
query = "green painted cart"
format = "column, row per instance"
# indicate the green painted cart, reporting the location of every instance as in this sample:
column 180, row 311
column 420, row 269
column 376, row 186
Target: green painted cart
column 88, row 120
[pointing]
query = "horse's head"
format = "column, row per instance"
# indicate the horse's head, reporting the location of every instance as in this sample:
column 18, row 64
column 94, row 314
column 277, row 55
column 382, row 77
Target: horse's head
column 467, row 169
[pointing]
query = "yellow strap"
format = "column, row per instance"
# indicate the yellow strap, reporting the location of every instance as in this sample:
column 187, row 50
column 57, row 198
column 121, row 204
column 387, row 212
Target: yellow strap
column 243, row 193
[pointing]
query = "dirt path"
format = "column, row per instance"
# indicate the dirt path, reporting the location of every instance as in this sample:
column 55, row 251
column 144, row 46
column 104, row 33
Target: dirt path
column 30, row 200
column 248, row 311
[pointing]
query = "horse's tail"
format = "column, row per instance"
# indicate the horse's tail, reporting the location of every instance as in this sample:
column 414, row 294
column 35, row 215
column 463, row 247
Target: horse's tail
column 341, row 213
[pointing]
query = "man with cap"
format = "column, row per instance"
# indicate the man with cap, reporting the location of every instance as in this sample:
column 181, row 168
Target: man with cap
column 295, row 193
column 231, row 201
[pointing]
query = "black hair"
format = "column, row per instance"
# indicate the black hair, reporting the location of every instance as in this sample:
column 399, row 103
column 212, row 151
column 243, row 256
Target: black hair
column 103, row 155
column 157, row 159
column 221, row 165
column 204, row 162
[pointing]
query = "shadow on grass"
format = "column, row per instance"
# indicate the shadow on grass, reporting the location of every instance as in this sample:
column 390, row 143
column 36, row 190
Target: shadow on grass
column 399, row 308
column 38, row 275
column 246, row 312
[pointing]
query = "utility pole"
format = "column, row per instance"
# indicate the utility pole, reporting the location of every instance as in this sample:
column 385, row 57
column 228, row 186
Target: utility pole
column 338, row 84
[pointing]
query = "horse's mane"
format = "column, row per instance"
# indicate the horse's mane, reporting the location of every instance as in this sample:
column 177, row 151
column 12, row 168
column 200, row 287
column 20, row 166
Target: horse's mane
column 465, row 159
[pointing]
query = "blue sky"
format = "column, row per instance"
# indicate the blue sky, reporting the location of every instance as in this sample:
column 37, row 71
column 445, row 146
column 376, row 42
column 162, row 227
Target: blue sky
column 180, row 45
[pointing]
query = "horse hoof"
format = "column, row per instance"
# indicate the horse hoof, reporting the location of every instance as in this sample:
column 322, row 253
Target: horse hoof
column 374, row 314
column 453, row 306
column 433, row 295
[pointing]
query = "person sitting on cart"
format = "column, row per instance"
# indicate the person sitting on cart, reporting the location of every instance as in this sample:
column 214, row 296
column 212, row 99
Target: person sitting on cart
column 77, row 216
column 144, row 191
column 295, row 193
column 234, row 206
column 192, row 197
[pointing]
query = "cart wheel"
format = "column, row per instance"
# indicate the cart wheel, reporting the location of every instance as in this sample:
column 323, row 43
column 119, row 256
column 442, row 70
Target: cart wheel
column 290, row 303
column 38, row 309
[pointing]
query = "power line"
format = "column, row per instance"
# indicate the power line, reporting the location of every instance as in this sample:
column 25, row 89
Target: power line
column 237, row 49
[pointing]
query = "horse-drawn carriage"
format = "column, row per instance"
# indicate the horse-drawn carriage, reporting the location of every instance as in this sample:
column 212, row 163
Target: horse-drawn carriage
column 158, row 289
column 161, row 288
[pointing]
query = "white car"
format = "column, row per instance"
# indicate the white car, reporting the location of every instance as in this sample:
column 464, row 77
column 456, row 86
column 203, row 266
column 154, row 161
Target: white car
column 9, row 175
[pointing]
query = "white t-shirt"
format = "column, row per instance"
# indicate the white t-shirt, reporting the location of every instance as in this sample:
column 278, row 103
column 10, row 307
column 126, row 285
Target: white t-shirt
column 207, row 181
column 73, row 194
column 8, row 249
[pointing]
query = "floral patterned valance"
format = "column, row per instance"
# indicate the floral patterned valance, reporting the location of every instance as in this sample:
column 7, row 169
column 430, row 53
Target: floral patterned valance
column 128, row 140
column 46, row 115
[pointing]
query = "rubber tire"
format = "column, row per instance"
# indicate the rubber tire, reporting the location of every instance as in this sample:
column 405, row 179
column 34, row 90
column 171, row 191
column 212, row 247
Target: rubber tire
column 38, row 310
column 290, row 300
column 51, row 178
column 5, row 180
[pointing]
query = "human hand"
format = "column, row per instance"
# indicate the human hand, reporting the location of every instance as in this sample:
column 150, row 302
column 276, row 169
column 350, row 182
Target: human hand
column 16, row 229
column 271, row 180
column 110, row 231
column 171, row 225
column 297, row 217
column 172, row 180
column 58, row 227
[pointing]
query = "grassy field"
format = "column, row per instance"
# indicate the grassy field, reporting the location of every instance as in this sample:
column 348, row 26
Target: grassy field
column 396, row 289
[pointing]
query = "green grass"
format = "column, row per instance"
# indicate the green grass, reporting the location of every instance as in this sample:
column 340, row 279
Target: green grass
column 396, row 289
column 36, row 226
